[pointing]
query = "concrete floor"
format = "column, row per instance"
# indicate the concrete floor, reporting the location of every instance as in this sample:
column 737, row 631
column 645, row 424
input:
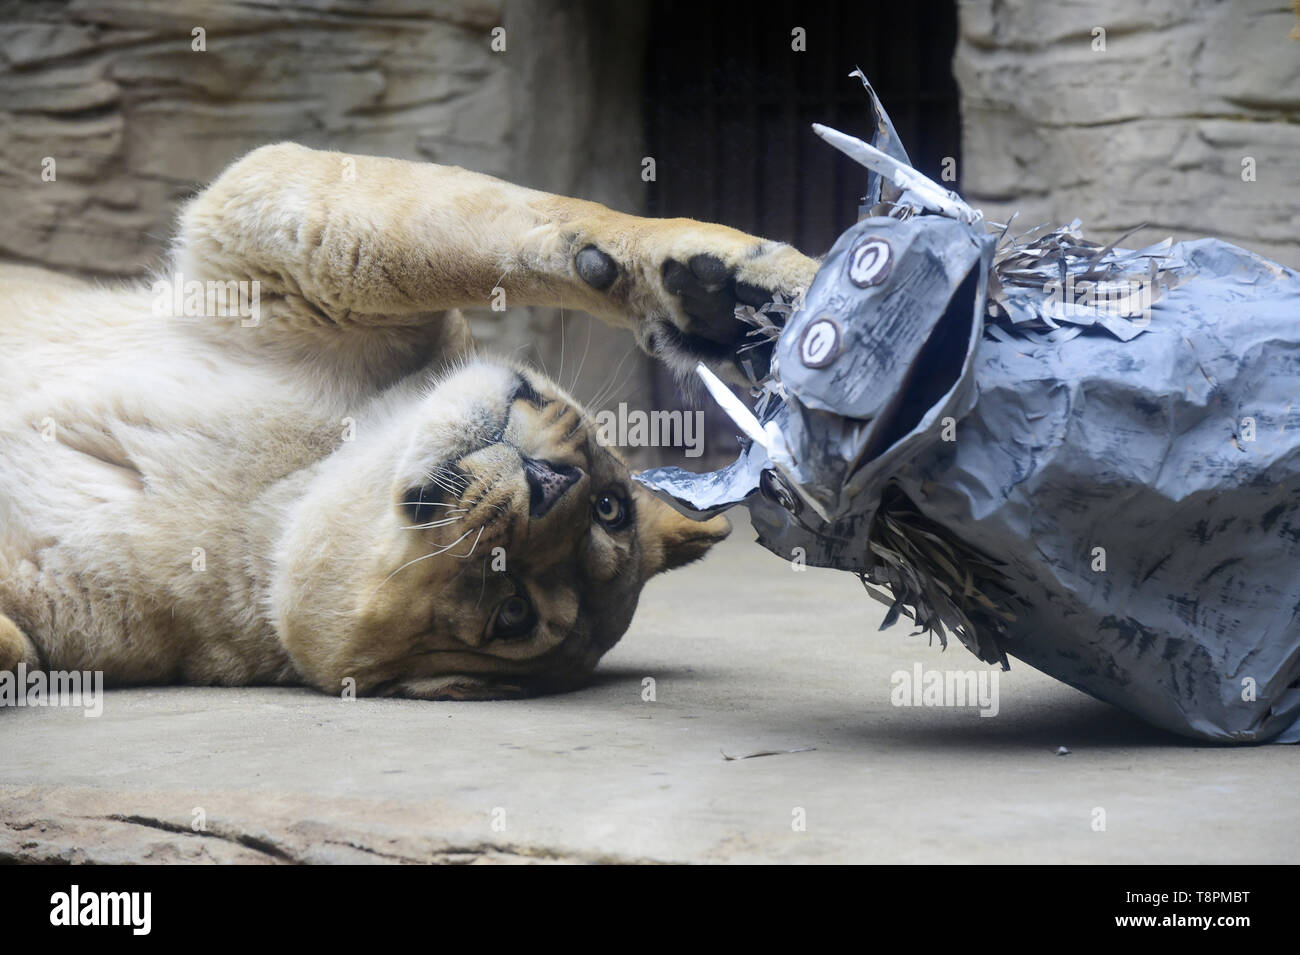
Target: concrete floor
column 746, row 655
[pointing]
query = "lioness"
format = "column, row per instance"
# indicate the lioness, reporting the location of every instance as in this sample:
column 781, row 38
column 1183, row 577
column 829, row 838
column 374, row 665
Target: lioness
column 337, row 491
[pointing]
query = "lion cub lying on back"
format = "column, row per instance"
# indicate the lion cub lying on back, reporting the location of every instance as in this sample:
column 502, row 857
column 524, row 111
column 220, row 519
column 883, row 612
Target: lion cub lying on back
column 177, row 498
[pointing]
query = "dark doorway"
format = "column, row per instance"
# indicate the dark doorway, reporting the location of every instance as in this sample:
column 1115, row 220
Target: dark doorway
column 729, row 107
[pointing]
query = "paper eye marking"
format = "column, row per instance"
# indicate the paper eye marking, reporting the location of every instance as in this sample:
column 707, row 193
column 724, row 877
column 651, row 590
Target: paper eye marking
column 869, row 262
column 820, row 343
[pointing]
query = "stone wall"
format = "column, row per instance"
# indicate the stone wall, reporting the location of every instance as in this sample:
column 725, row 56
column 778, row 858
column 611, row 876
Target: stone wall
column 1153, row 128
column 135, row 119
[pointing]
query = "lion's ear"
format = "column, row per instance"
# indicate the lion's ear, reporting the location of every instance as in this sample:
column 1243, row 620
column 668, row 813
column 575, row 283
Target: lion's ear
column 670, row 540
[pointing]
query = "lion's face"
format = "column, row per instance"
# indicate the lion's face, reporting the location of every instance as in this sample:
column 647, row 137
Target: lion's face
column 484, row 546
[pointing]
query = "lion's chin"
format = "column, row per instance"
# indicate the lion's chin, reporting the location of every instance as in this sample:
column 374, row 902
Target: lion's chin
column 455, row 687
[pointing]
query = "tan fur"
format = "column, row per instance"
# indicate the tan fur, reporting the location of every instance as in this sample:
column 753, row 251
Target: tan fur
column 213, row 500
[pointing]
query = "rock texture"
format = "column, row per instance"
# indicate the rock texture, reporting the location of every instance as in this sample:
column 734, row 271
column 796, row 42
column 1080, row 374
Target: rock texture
column 135, row 118
column 1152, row 129
column 630, row 770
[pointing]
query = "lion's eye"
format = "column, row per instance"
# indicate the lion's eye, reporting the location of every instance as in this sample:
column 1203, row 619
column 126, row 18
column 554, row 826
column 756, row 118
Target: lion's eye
column 513, row 619
column 610, row 509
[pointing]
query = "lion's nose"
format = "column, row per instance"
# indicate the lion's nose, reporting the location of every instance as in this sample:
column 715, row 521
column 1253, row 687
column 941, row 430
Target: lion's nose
column 547, row 483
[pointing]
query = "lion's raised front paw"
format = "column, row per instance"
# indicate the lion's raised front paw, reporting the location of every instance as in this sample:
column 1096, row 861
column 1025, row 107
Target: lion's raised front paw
column 685, row 285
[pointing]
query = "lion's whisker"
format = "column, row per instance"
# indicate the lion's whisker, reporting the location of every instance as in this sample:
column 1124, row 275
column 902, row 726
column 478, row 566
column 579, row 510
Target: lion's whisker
column 472, row 547
column 578, row 374
column 441, row 550
column 483, row 589
column 442, row 523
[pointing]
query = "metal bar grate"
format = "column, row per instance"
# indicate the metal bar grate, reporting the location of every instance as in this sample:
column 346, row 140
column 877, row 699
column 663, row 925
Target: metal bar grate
column 729, row 106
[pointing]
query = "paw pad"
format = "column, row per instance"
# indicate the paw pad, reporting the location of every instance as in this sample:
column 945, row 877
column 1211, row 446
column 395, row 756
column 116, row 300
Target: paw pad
column 596, row 268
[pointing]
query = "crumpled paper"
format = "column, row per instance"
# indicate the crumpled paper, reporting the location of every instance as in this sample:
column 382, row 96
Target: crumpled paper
column 1081, row 456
